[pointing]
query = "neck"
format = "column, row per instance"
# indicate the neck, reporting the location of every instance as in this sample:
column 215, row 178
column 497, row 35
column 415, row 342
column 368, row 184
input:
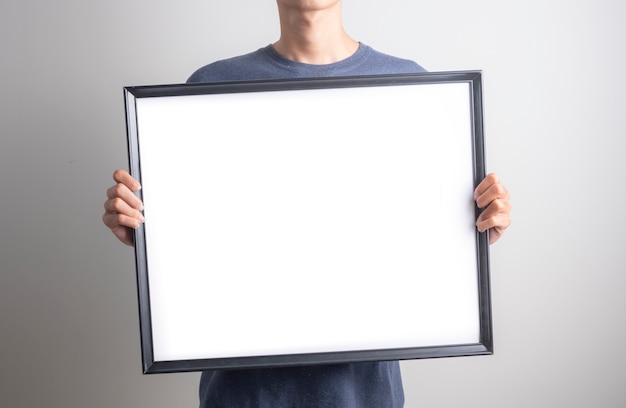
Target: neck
column 313, row 35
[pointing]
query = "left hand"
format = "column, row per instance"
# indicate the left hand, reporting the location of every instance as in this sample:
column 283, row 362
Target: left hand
column 493, row 198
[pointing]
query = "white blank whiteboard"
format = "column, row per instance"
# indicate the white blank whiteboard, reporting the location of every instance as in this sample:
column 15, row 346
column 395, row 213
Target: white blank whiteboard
column 307, row 222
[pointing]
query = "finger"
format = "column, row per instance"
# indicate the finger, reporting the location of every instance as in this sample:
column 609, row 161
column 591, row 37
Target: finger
column 498, row 222
column 123, row 177
column 493, row 192
column 487, row 182
column 495, row 225
column 115, row 220
column 122, row 192
column 119, row 206
column 496, row 218
column 497, row 206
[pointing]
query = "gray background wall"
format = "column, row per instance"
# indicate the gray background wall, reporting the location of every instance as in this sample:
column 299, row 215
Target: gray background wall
column 555, row 113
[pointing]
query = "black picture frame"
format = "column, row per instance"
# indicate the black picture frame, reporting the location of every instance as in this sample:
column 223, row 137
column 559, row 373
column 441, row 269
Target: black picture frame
column 251, row 254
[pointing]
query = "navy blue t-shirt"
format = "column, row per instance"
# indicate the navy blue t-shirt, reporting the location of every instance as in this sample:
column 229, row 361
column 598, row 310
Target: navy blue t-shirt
column 354, row 385
column 266, row 63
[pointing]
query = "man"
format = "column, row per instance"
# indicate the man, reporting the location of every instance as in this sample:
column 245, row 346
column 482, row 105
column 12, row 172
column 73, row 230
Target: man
column 312, row 43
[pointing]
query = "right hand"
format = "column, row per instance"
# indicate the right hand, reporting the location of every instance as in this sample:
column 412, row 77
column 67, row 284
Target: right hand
column 122, row 209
